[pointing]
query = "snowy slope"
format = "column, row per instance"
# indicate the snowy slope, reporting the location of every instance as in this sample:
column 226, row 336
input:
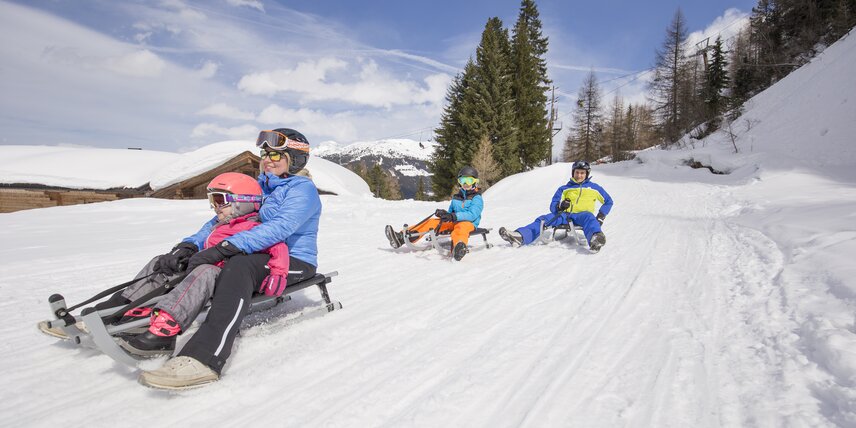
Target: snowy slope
column 719, row 300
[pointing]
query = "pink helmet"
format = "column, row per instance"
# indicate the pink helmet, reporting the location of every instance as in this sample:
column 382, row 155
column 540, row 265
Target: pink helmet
column 240, row 191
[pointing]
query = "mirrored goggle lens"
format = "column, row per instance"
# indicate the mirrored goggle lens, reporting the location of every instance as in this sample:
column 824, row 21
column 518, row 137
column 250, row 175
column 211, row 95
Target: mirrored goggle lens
column 468, row 180
column 222, row 199
column 274, row 156
column 272, row 139
column 278, row 141
column 218, row 199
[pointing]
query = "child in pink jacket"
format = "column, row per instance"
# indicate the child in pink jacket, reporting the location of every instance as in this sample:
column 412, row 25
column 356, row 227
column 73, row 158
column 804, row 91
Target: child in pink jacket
column 235, row 199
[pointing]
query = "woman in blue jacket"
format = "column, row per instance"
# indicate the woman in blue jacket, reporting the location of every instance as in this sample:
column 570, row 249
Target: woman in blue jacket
column 289, row 214
column 461, row 218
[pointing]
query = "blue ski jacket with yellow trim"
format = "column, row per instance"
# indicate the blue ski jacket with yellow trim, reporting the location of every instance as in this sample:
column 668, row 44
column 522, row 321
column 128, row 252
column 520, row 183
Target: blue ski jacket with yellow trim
column 289, row 214
column 582, row 196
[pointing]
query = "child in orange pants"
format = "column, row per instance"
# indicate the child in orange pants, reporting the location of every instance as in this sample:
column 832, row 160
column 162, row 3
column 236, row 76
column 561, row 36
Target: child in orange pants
column 461, row 218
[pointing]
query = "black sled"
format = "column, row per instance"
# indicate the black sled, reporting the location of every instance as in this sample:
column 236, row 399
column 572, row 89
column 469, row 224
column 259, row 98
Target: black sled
column 100, row 329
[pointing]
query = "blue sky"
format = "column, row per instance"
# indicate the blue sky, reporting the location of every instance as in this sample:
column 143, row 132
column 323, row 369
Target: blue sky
column 174, row 75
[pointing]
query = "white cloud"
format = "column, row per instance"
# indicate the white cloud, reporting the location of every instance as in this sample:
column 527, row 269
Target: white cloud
column 328, row 79
column 143, row 37
column 226, row 111
column 208, row 70
column 338, row 126
column 255, row 4
column 212, row 131
column 725, row 26
column 142, row 63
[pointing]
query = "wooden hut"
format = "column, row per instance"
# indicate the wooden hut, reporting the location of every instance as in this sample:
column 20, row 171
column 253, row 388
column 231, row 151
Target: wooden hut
column 196, row 187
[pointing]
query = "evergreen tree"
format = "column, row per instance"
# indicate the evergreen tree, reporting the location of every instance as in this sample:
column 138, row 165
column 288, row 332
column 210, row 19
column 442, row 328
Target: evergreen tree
column 450, row 134
column 420, row 191
column 377, row 181
column 530, row 84
column 741, row 70
column 716, row 81
column 583, row 143
column 487, row 106
column 392, row 189
column 670, row 80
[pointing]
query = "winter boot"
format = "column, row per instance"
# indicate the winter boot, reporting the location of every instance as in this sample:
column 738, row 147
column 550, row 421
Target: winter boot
column 396, row 239
column 179, row 373
column 513, row 237
column 460, row 251
column 598, row 240
column 158, row 340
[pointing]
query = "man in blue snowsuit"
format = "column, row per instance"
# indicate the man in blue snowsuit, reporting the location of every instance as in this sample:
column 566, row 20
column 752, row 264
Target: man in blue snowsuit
column 572, row 203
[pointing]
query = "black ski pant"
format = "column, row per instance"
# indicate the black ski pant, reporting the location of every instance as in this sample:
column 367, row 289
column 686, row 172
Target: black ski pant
column 241, row 276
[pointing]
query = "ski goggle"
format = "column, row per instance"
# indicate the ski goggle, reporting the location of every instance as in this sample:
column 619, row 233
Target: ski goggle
column 469, row 181
column 277, row 140
column 274, row 156
column 224, row 199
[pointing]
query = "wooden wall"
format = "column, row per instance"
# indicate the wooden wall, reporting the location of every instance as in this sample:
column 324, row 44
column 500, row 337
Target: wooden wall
column 12, row 200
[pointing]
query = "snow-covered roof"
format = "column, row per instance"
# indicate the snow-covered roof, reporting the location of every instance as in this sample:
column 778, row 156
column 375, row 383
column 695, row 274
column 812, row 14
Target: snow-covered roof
column 96, row 168
column 79, row 167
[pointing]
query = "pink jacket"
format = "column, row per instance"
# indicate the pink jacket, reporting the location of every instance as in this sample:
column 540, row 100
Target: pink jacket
column 278, row 253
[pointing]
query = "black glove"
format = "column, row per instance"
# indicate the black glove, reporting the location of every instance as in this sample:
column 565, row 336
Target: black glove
column 217, row 253
column 173, row 261
column 563, row 205
column 444, row 215
column 600, row 218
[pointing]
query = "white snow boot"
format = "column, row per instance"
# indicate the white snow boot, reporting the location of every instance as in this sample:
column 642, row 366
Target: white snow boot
column 396, row 239
column 597, row 241
column 514, row 237
column 179, row 373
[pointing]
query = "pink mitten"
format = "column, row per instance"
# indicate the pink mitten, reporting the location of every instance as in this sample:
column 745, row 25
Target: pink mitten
column 273, row 285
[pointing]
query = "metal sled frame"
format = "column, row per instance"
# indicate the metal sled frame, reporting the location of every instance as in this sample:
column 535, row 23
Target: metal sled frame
column 561, row 232
column 101, row 336
column 433, row 239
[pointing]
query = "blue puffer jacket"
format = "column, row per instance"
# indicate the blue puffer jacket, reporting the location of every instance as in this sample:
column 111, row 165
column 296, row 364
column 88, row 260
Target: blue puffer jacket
column 467, row 206
column 289, row 214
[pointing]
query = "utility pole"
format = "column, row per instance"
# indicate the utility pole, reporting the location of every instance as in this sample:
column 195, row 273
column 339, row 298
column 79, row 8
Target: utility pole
column 550, row 125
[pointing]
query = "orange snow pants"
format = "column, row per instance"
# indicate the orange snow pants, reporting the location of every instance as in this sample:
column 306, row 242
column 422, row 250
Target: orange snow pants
column 460, row 230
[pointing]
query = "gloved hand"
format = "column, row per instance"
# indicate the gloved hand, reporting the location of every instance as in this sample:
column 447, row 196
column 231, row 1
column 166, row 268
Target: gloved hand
column 444, row 215
column 600, row 218
column 273, row 285
column 210, row 256
column 563, row 205
column 171, row 262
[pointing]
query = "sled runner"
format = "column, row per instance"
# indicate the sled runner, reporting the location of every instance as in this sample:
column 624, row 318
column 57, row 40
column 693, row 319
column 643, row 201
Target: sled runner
column 439, row 241
column 560, row 232
column 97, row 329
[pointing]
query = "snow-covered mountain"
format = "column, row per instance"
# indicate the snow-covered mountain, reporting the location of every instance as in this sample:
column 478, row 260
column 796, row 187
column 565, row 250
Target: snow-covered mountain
column 406, row 159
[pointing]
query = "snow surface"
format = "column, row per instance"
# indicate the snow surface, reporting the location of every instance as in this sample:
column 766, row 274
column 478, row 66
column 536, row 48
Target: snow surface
column 719, row 300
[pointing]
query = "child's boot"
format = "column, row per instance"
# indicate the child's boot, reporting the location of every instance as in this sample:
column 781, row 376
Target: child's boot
column 158, row 340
